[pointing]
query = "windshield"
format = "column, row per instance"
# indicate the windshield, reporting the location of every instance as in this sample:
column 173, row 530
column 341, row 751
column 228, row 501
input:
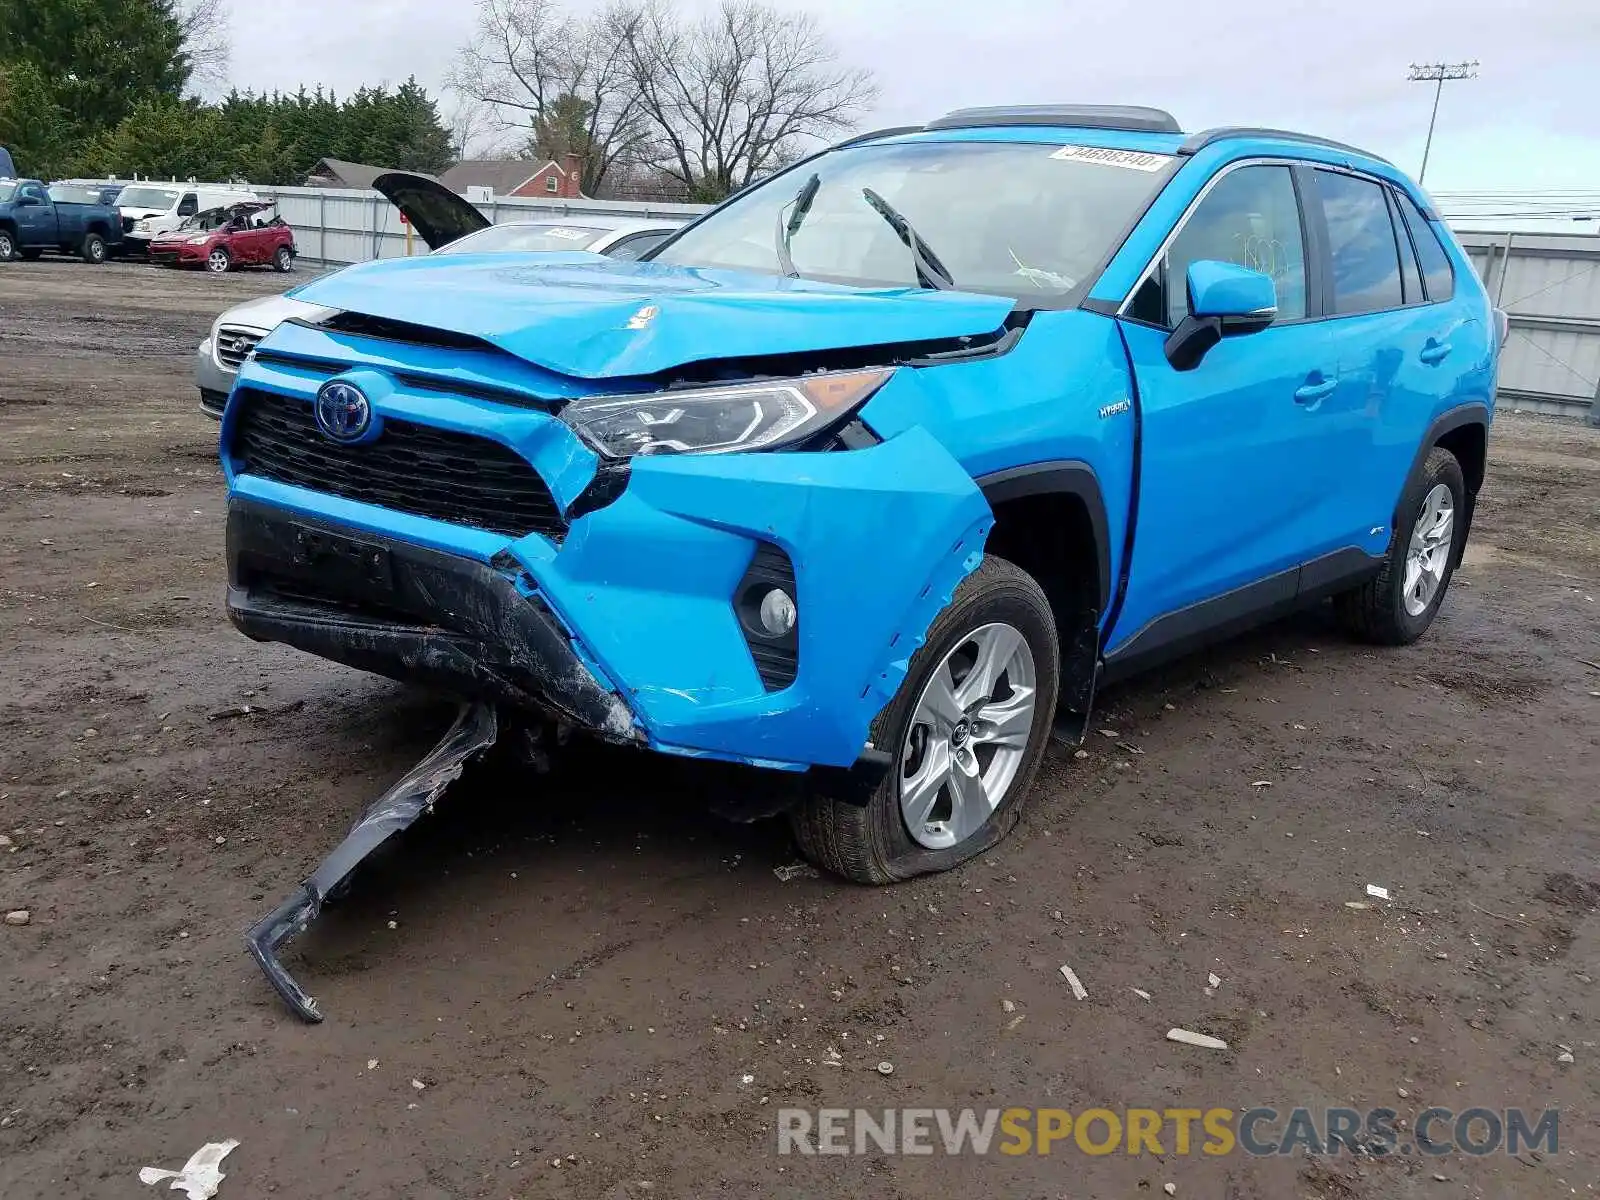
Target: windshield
column 525, row 237
column 67, row 193
column 1014, row 219
column 7, row 190
column 211, row 218
column 148, row 197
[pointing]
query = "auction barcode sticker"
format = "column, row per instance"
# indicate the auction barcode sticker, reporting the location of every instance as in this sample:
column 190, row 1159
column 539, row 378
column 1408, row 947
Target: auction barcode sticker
column 1135, row 160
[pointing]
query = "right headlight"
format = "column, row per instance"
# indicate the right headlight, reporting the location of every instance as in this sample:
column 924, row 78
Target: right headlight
column 722, row 419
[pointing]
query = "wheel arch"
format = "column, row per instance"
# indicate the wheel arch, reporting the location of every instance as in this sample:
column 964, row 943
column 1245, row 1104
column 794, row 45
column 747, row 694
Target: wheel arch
column 1050, row 520
column 1464, row 431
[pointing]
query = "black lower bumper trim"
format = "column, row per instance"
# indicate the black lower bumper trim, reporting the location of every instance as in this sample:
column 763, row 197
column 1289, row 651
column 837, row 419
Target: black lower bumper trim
column 397, row 809
column 409, row 613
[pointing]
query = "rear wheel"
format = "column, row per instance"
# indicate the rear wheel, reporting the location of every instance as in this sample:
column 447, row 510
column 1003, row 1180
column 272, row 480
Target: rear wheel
column 93, row 249
column 218, row 261
column 1396, row 607
column 283, row 260
column 967, row 730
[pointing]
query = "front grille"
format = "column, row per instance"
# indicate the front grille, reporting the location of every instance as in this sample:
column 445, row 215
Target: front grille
column 411, row 468
column 234, row 345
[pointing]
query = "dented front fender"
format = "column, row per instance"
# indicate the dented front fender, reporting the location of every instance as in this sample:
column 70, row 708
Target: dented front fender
column 879, row 538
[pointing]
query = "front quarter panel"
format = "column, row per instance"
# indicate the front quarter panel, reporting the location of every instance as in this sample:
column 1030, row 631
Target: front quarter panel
column 879, row 538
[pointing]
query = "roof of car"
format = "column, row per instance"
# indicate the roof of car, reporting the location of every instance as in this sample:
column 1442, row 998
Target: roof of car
column 1125, row 127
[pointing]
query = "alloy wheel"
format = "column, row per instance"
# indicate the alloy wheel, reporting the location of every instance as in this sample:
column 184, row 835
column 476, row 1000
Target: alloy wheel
column 217, row 261
column 1428, row 555
column 968, row 736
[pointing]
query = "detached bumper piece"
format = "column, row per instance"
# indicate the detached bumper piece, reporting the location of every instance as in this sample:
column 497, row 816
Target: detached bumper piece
column 397, row 809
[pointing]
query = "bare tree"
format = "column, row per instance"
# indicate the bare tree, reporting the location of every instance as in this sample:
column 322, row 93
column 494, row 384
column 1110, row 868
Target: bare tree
column 206, row 42
column 559, row 78
column 475, row 130
column 738, row 93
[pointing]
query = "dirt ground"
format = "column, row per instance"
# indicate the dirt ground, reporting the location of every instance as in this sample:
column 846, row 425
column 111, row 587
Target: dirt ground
column 589, row 968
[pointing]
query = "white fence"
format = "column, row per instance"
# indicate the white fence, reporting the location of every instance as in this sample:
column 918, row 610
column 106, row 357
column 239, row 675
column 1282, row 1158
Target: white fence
column 336, row 226
column 1549, row 284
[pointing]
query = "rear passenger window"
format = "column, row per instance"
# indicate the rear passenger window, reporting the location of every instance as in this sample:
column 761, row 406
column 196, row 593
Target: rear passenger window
column 1409, row 275
column 1436, row 271
column 1250, row 217
column 1361, row 244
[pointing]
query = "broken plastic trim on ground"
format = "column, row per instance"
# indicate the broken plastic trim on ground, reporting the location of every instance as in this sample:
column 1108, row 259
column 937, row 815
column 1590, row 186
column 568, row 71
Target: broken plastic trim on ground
column 474, row 731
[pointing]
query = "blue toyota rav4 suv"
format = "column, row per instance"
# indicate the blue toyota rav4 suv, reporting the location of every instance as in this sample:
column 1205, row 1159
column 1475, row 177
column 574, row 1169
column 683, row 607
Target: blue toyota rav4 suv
column 877, row 471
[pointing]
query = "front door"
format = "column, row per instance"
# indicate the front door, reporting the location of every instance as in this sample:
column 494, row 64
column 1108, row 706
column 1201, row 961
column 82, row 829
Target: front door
column 1233, row 469
column 36, row 216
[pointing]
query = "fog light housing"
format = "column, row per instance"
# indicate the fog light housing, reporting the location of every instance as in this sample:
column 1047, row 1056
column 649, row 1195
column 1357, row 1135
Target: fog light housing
column 769, row 616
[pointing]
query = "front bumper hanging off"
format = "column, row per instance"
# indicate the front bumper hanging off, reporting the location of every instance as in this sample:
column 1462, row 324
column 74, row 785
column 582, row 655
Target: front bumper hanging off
column 474, row 731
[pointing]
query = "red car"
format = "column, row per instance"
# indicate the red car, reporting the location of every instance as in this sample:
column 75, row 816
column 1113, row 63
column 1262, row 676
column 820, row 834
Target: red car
column 219, row 239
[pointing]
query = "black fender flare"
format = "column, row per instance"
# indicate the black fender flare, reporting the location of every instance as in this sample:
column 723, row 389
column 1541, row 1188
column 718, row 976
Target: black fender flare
column 1067, row 476
column 1473, row 413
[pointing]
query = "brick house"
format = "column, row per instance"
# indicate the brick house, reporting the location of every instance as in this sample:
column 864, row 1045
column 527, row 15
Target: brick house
column 519, row 177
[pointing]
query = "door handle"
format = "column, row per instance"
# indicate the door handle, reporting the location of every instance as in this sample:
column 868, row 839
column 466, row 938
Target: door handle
column 1310, row 393
column 1434, row 352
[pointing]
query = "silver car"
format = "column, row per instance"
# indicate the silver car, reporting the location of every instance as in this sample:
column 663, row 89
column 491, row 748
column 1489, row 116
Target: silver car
column 447, row 224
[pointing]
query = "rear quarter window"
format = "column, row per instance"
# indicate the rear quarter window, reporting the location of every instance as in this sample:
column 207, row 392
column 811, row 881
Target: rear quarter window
column 1437, row 274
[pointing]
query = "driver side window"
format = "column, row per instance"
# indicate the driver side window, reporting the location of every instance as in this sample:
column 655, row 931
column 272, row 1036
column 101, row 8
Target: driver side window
column 1250, row 218
column 189, row 205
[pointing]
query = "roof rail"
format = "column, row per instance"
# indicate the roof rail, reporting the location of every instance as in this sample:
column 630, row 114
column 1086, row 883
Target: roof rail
column 1129, row 117
column 1199, row 141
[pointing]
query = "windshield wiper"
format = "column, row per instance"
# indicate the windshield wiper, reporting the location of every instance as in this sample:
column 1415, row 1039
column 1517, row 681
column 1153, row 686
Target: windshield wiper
column 931, row 273
column 788, row 228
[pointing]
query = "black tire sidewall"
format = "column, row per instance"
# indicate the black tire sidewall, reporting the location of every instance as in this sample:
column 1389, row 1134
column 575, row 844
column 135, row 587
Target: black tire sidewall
column 1440, row 467
column 1028, row 613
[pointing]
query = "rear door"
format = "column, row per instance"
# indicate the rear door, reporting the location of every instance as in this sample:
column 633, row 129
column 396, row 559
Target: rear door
column 1233, row 469
column 1394, row 353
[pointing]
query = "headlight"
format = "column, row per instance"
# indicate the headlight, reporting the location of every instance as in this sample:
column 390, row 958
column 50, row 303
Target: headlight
column 720, row 420
column 198, row 239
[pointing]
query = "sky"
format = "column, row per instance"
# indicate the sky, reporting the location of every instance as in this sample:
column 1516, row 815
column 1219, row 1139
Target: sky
column 1528, row 121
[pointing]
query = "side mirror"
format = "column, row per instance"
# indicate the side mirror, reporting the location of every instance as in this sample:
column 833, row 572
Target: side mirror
column 1225, row 300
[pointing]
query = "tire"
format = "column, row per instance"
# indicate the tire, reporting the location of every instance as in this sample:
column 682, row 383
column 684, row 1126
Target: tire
column 33, row 254
column 283, row 260
column 1378, row 611
column 873, row 844
column 8, row 245
column 93, row 249
column 219, row 261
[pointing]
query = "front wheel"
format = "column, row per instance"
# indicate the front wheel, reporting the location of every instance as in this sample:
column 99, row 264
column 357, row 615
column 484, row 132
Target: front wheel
column 283, row 260
column 8, row 245
column 218, row 261
column 1396, row 606
column 93, row 249
column 967, row 730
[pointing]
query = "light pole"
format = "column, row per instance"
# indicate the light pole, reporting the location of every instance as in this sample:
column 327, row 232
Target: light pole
column 1437, row 74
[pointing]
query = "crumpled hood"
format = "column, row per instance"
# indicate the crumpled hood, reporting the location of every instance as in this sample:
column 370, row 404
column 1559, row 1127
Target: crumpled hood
column 592, row 317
